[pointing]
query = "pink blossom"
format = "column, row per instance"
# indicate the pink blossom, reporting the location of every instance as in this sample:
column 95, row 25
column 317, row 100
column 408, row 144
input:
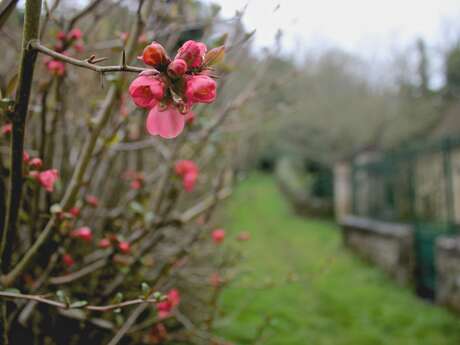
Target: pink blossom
column 185, row 166
column 25, row 156
column 75, row 211
column 218, row 236
column 104, row 243
column 192, row 52
column 146, row 91
column 84, row 233
column 177, row 68
column 68, row 260
column 56, row 67
column 167, row 123
column 61, row 35
column 47, row 179
column 7, row 128
column 200, row 89
column 75, row 34
column 92, row 200
column 136, row 184
column 189, row 181
column 188, row 170
column 164, row 307
column 124, row 247
column 154, row 55
column 36, row 163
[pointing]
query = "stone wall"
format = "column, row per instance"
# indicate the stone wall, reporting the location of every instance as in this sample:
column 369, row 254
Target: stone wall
column 388, row 245
column 448, row 272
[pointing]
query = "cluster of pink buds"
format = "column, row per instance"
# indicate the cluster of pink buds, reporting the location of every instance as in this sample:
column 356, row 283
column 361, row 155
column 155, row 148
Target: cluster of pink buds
column 172, row 87
column 65, row 41
column 123, row 246
column 188, row 170
column 165, row 307
column 46, row 178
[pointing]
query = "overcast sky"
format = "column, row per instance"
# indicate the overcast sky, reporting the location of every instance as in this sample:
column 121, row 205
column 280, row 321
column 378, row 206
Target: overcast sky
column 354, row 25
column 376, row 30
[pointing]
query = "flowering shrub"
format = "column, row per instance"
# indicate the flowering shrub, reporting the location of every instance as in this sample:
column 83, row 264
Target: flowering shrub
column 106, row 229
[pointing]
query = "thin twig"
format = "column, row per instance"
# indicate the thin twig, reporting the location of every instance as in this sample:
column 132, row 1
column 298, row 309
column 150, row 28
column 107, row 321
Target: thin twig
column 99, row 308
column 88, row 64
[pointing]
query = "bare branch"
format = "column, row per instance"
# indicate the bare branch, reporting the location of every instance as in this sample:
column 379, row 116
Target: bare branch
column 99, row 308
column 88, row 64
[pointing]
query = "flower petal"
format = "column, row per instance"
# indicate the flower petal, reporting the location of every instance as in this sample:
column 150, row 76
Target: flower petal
column 168, row 123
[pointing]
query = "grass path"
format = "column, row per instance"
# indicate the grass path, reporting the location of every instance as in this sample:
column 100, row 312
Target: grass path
column 316, row 293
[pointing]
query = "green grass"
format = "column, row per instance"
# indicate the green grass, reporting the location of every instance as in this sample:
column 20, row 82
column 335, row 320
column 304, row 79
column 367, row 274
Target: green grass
column 296, row 272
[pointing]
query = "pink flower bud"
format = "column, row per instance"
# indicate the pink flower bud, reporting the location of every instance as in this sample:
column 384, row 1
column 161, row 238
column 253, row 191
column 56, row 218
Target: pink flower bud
column 25, row 156
column 48, row 178
column 200, row 89
column 177, row 68
column 124, row 247
column 104, row 243
column 185, row 166
column 75, row 34
column 68, row 260
column 164, row 307
column 154, row 55
column 7, row 128
column 92, row 200
column 188, row 170
column 136, row 184
column 61, row 36
column 36, row 163
column 75, row 211
column 218, row 236
column 192, row 52
column 56, row 67
column 189, row 181
column 146, row 91
column 84, row 233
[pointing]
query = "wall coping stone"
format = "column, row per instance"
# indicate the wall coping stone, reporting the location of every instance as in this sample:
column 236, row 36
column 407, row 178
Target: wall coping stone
column 375, row 226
